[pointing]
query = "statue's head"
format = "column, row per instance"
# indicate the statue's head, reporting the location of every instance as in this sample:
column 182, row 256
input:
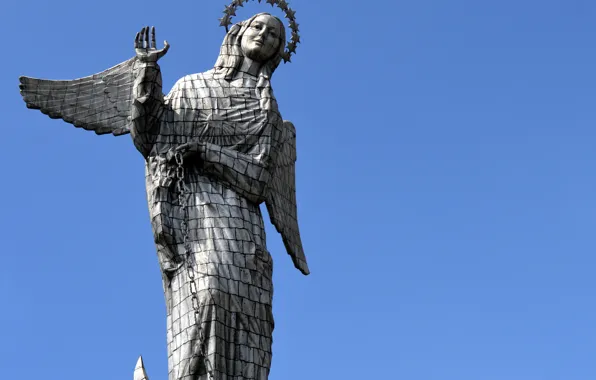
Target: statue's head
column 261, row 38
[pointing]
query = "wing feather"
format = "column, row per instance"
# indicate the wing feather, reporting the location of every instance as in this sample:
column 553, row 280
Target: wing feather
column 99, row 103
column 281, row 198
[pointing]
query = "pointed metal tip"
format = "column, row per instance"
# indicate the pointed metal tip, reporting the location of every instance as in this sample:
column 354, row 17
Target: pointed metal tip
column 140, row 373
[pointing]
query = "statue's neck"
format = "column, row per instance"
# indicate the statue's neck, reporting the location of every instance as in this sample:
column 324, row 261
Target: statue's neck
column 250, row 67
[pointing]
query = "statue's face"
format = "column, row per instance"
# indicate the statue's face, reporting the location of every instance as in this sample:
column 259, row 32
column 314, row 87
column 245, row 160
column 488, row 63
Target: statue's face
column 261, row 40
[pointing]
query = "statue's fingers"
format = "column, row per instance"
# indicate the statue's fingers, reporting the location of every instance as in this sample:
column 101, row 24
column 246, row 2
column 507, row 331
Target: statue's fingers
column 142, row 39
column 170, row 155
column 147, row 41
column 153, row 44
column 163, row 51
column 138, row 41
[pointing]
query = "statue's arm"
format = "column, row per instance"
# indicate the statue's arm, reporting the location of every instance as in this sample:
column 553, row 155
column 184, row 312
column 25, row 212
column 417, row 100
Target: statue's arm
column 147, row 99
column 245, row 174
column 147, row 107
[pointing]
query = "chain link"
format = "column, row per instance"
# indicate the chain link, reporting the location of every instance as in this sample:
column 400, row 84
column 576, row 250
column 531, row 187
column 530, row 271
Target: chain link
column 189, row 259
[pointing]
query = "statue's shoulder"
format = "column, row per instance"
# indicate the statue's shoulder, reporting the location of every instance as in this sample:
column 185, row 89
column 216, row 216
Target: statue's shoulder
column 194, row 80
column 191, row 82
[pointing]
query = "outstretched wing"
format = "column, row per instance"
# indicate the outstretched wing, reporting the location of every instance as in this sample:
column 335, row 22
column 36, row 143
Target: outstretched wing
column 99, row 102
column 281, row 198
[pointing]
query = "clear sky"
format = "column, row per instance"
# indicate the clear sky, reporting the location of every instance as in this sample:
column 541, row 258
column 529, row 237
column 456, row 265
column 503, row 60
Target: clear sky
column 446, row 188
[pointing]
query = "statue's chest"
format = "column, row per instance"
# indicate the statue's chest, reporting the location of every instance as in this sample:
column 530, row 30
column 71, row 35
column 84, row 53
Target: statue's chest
column 223, row 113
column 200, row 100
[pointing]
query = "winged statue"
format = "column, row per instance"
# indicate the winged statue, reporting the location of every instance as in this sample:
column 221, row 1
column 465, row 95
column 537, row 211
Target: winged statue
column 215, row 148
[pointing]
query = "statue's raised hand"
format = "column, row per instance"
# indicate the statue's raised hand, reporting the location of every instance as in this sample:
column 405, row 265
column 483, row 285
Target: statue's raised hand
column 145, row 46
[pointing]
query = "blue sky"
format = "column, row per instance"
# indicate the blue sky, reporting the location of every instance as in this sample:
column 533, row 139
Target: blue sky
column 446, row 188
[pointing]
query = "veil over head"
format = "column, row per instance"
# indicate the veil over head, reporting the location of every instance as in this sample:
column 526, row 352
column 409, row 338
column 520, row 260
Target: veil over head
column 231, row 57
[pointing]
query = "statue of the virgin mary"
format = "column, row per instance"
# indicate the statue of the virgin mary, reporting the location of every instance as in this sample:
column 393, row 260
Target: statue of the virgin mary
column 215, row 148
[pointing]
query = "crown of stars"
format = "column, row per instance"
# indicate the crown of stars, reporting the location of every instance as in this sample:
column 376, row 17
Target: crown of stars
column 290, row 14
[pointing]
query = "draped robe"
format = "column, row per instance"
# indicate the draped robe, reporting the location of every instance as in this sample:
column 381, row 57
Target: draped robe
column 243, row 154
column 226, row 181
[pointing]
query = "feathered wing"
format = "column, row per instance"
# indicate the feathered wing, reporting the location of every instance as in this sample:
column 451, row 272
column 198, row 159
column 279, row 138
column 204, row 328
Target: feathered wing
column 281, row 198
column 99, row 102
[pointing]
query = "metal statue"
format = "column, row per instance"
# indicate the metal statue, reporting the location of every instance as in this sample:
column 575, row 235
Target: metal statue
column 215, row 147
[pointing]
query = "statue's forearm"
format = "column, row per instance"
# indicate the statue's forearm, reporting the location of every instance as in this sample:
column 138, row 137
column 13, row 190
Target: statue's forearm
column 245, row 174
column 147, row 107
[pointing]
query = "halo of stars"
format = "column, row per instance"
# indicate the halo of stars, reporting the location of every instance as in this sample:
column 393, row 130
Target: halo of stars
column 290, row 14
